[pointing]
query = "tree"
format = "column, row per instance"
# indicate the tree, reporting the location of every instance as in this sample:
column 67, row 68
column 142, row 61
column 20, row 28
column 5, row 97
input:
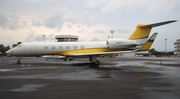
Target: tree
column 19, row 43
column 14, row 45
column 3, row 49
column 170, row 53
column 153, row 51
column 157, row 53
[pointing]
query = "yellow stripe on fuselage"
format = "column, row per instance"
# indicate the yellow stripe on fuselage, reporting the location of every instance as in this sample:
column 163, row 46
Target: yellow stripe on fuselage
column 86, row 51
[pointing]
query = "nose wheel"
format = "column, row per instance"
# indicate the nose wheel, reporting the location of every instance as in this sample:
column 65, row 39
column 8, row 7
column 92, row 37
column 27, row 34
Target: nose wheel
column 18, row 61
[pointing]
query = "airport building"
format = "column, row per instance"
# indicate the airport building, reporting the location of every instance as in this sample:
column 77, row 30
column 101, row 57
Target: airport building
column 67, row 38
column 177, row 48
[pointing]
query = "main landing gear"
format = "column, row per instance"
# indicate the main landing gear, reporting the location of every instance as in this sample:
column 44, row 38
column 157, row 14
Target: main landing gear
column 18, row 61
column 94, row 62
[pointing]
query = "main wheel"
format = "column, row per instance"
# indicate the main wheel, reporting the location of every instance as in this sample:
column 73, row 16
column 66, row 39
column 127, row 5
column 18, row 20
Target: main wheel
column 94, row 64
column 97, row 64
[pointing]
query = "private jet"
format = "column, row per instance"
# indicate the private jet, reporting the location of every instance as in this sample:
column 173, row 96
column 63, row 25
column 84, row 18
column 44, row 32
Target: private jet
column 138, row 41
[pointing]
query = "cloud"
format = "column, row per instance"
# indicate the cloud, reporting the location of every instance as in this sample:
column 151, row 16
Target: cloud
column 3, row 20
column 15, row 17
column 156, row 7
column 13, row 25
column 30, row 37
column 116, row 7
column 54, row 21
column 40, row 38
column 82, row 31
column 122, row 31
column 11, row 22
column 24, row 24
column 85, row 18
column 94, row 4
column 99, row 31
column 160, row 6
column 94, row 39
column 51, row 37
column 33, row 37
column 36, row 22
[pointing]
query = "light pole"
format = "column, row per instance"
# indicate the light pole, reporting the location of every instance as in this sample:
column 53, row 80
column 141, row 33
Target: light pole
column 43, row 37
column 111, row 31
column 165, row 46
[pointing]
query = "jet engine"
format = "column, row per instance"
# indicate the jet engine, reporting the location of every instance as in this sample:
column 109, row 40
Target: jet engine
column 121, row 44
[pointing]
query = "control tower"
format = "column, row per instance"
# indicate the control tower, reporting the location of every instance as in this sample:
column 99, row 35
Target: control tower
column 67, row 38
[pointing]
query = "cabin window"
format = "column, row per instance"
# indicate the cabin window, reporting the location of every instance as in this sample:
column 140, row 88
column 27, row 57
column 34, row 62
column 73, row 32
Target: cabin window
column 53, row 47
column 60, row 47
column 75, row 47
column 67, row 47
column 82, row 47
column 46, row 47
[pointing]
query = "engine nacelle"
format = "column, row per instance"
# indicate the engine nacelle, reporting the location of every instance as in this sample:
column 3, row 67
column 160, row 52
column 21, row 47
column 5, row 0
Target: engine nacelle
column 121, row 44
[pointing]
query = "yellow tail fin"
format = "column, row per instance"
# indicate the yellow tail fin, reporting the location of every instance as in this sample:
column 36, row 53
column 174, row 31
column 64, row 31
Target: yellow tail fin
column 142, row 31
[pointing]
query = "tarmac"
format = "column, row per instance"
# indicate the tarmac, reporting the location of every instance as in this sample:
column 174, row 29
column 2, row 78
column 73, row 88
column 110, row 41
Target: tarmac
column 116, row 78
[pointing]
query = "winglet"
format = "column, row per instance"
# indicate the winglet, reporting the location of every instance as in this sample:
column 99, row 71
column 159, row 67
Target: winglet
column 148, row 43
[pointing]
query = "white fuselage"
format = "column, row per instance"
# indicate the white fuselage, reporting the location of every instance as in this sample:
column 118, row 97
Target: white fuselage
column 48, row 48
column 62, row 48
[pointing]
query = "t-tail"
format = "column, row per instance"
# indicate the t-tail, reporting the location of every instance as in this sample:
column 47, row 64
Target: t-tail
column 142, row 32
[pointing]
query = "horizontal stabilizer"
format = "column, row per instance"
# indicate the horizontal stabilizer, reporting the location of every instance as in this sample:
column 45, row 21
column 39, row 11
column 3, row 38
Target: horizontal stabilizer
column 156, row 24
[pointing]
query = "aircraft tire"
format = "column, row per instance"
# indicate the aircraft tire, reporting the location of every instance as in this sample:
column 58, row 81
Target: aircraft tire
column 94, row 64
column 18, row 62
column 97, row 62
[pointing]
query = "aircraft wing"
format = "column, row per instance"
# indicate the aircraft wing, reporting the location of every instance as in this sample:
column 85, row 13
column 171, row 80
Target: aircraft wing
column 102, row 53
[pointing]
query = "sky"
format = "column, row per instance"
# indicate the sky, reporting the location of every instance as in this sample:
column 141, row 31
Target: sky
column 91, row 20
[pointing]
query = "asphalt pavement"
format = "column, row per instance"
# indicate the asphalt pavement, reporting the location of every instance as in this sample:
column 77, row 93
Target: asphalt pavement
column 116, row 78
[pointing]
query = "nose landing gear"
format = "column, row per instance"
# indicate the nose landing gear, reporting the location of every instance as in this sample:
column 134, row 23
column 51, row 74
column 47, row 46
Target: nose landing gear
column 18, row 61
